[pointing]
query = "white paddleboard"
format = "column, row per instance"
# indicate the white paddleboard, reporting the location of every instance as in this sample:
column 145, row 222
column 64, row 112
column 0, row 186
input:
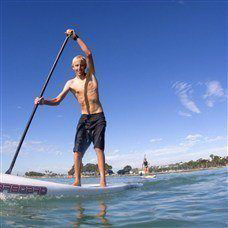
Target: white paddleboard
column 149, row 176
column 15, row 185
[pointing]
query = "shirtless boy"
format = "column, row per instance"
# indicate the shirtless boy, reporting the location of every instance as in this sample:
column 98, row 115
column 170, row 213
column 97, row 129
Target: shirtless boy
column 91, row 126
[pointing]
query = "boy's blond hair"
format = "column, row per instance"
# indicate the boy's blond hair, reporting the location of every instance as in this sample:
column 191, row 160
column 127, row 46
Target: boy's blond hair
column 79, row 57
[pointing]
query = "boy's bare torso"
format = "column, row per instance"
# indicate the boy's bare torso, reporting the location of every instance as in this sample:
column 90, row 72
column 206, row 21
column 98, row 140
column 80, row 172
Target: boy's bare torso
column 86, row 92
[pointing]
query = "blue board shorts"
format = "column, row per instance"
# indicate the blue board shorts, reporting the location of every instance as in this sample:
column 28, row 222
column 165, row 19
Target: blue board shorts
column 90, row 128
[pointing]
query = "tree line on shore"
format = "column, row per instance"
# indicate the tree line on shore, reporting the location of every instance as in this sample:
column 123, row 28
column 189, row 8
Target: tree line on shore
column 88, row 169
column 214, row 161
column 92, row 169
column 46, row 173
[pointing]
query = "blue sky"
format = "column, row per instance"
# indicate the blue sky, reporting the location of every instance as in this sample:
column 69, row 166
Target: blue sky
column 161, row 68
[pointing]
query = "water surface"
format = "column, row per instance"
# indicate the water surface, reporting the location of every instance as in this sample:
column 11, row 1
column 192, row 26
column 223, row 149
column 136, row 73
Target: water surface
column 193, row 199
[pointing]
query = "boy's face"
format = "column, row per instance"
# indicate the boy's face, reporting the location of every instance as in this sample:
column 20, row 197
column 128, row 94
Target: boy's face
column 79, row 67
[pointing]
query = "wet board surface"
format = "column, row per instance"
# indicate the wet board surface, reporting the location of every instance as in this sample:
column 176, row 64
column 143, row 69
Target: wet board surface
column 10, row 184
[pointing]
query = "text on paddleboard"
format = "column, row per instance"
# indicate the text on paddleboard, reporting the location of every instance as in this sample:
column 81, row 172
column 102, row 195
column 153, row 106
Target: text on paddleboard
column 22, row 189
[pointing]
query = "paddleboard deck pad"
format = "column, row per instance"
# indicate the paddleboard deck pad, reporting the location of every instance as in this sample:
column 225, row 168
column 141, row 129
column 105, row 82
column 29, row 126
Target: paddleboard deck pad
column 15, row 185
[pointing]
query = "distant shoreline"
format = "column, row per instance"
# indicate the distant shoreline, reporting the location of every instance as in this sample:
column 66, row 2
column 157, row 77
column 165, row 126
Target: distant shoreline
column 116, row 175
column 192, row 170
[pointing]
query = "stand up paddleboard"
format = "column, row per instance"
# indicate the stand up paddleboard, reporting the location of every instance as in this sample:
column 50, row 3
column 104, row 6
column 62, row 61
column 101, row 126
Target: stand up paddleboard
column 15, row 185
column 149, row 176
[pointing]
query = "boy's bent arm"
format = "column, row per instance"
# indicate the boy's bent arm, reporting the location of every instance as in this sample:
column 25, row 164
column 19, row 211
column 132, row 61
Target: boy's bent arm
column 55, row 101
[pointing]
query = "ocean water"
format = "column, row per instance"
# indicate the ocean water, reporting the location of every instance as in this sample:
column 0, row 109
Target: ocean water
column 193, row 199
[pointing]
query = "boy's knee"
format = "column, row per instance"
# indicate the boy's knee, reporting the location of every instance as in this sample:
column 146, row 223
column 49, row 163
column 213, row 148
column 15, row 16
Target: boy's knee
column 78, row 154
column 98, row 150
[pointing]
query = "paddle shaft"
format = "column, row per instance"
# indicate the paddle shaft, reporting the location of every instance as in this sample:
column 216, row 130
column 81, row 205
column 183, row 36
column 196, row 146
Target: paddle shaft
column 35, row 107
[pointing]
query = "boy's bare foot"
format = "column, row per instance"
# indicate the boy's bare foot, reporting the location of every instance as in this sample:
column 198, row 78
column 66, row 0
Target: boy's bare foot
column 76, row 184
column 103, row 184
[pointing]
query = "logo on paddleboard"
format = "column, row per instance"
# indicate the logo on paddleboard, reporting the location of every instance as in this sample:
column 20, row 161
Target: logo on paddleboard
column 22, row 189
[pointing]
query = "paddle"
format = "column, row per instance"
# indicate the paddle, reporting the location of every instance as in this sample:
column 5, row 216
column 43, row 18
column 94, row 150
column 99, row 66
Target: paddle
column 35, row 106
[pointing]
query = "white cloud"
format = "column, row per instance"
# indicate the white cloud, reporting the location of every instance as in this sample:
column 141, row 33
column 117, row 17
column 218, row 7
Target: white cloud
column 194, row 137
column 183, row 91
column 9, row 146
column 93, row 160
column 214, row 139
column 191, row 140
column 213, row 93
column 184, row 114
column 167, row 150
column 56, row 168
column 120, row 160
column 220, row 151
column 58, row 153
column 214, row 89
column 155, row 140
column 116, row 151
column 186, row 149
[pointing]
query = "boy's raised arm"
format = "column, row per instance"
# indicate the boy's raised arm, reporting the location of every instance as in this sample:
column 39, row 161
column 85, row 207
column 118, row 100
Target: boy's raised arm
column 85, row 49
